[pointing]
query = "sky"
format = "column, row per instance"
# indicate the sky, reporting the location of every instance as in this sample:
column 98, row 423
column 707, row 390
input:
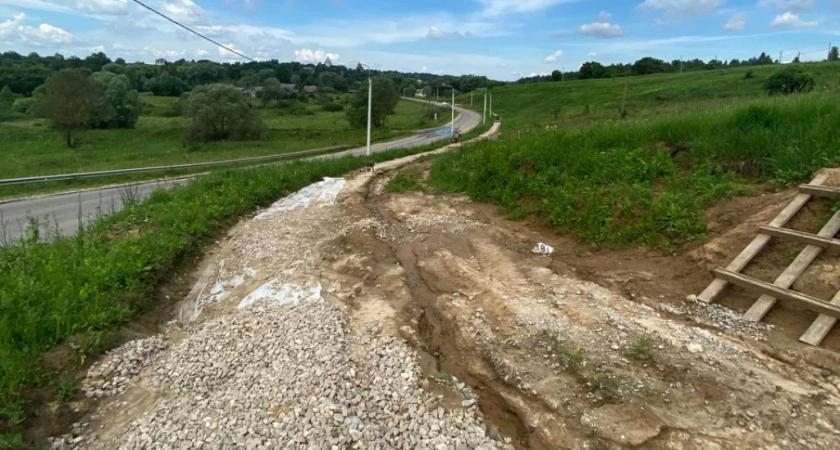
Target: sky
column 502, row 39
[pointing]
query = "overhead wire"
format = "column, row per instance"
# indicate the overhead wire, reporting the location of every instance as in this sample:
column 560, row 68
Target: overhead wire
column 192, row 31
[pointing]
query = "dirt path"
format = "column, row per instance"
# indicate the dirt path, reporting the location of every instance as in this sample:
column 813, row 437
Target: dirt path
column 421, row 321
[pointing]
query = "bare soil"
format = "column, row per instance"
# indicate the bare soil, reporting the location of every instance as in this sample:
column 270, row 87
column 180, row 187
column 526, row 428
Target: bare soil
column 586, row 348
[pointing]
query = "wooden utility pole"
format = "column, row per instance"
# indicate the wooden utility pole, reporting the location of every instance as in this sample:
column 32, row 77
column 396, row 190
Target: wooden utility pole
column 624, row 99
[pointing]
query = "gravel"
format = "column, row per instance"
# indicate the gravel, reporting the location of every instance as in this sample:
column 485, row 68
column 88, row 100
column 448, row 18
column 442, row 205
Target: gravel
column 292, row 377
column 115, row 372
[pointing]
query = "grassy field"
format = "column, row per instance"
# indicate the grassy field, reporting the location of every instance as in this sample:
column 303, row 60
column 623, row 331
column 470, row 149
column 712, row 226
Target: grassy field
column 647, row 182
column 32, row 148
column 533, row 107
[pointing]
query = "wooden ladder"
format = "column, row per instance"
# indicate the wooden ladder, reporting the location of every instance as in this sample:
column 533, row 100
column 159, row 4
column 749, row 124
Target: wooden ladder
column 829, row 311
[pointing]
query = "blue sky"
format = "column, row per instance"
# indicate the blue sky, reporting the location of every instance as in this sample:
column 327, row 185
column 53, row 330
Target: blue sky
column 503, row 39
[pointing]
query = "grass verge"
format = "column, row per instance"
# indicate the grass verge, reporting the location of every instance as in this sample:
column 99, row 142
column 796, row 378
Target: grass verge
column 647, row 183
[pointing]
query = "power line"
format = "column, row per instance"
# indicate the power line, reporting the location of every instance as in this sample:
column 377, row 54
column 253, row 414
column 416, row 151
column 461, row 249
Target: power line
column 192, row 31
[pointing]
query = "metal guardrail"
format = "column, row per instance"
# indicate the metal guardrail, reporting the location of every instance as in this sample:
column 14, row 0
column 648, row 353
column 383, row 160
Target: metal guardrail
column 108, row 173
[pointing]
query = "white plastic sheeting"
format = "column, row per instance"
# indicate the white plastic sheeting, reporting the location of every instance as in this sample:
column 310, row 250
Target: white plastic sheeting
column 321, row 193
column 283, row 294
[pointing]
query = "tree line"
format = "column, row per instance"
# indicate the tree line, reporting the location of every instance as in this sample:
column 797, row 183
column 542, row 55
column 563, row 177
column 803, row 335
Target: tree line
column 650, row 65
column 23, row 74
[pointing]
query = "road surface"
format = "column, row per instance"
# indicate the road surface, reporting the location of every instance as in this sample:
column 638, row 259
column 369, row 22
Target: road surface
column 63, row 213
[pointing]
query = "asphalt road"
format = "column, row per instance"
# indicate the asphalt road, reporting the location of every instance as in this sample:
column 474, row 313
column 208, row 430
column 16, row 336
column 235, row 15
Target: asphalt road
column 63, row 213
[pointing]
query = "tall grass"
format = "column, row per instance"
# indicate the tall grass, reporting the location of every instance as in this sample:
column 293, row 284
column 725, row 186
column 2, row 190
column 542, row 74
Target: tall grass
column 647, row 183
column 108, row 272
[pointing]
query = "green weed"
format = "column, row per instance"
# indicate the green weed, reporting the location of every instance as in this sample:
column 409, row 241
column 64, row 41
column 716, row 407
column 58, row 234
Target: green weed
column 647, row 183
column 406, row 180
column 571, row 355
column 643, row 349
column 66, row 390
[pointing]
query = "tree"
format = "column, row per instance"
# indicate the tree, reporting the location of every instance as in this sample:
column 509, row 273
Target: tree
column 556, row 75
column 166, row 85
column 649, row 65
column 833, row 54
column 385, row 99
column 120, row 106
column 272, row 90
column 592, row 69
column 219, row 112
column 95, row 61
column 7, row 99
column 68, row 102
column 764, row 59
column 796, row 60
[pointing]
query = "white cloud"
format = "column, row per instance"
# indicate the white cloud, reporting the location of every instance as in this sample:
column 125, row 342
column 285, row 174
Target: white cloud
column 306, row 55
column 202, row 53
column 791, row 20
column 103, row 6
column 182, row 10
column 736, row 22
column 788, row 5
column 495, row 8
column 437, row 34
column 536, row 74
column 227, row 54
column 678, row 9
column 591, row 54
column 604, row 16
column 554, row 56
column 15, row 29
column 603, row 30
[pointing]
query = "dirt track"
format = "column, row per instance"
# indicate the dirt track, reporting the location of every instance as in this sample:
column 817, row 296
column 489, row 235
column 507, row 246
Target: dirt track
column 581, row 349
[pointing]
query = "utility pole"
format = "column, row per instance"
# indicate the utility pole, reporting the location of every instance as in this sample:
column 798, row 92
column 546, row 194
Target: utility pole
column 681, row 63
column 437, row 94
column 828, row 56
column 563, row 74
column 471, row 98
column 370, row 107
column 370, row 111
column 491, row 105
column 780, row 56
column 484, row 115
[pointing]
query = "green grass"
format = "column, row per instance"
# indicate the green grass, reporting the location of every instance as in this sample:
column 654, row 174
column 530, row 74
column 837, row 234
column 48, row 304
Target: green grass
column 406, row 180
column 32, row 148
column 645, row 182
column 85, row 285
column 532, row 107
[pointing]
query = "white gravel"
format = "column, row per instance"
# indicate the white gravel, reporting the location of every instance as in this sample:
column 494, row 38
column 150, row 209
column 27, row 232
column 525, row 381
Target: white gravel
column 292, row 377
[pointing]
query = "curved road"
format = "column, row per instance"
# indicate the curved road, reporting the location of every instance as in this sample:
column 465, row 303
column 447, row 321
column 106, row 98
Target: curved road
column 63, row 213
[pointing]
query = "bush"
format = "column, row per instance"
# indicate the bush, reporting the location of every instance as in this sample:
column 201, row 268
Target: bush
column 23, row 105
column 332, row 107
column 749, row 75
column 219, row 112
column 790, row 80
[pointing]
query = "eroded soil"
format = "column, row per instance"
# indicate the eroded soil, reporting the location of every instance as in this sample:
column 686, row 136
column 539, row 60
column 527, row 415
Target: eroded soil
column 582, row 349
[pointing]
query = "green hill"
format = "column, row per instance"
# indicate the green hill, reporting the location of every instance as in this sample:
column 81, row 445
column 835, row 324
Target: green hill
column 582, row 102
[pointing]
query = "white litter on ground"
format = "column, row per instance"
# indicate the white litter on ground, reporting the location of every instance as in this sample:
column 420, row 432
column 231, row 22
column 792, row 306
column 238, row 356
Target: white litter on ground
column 320, row 193
column 543, row 249
column 282, row 294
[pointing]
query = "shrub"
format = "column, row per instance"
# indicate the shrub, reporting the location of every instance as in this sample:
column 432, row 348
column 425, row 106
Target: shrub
column 790, row 80
column 23, row 105
column 332, row 107
column 219, row 112
column 749, row 75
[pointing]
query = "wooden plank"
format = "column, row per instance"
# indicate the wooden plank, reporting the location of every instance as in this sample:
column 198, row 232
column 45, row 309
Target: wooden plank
column 821, row 326
column 805, row 238
column 764, row 303
column 806, row 301
column 759, row 242
column 820, row 191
